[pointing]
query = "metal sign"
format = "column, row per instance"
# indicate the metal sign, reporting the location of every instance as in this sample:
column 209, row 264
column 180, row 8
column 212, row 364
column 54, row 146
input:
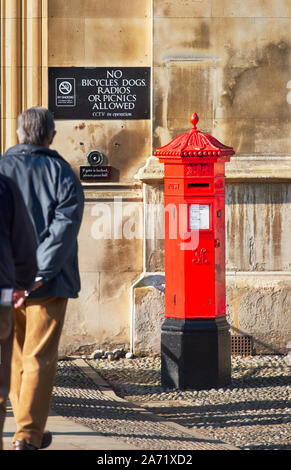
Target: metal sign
column 95, row 173
column 199, row 216
column 99, row 92
column 65, row 92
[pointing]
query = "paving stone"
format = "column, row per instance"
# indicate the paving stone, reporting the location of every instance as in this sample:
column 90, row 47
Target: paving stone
column 253, row 412
column 79, row 397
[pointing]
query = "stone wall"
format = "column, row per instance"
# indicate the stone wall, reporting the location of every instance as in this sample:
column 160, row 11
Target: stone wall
column 227, row 60
column 233, row 59
column 99, row 34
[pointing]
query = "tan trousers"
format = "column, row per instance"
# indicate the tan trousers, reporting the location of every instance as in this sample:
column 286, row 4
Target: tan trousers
column 38, row 327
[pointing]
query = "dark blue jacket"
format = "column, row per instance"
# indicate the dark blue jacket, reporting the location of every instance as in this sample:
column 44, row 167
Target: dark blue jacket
column 18, row 246
column 54, row 198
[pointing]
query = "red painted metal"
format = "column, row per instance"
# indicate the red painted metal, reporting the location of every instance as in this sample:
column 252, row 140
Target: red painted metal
column 194, row 196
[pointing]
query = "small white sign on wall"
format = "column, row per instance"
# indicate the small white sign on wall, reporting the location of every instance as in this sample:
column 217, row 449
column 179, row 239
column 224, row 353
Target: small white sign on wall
column 199, row 216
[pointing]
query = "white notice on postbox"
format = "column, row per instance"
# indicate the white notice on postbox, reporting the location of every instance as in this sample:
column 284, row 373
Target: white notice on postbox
column 199, row 216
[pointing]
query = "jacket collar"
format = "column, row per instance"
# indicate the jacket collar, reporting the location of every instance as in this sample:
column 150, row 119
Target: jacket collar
column 31, row 150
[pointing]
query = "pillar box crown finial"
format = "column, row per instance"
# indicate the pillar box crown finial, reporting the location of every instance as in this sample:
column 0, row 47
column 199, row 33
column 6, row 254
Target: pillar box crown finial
column 194, row 120
column 195, row 143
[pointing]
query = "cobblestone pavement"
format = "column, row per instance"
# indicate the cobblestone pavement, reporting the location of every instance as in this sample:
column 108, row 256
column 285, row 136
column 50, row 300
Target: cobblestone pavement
column 252, row 413
column 78, row 397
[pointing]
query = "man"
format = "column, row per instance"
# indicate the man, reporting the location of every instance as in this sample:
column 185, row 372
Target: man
column 54, row 198
column 17, row 272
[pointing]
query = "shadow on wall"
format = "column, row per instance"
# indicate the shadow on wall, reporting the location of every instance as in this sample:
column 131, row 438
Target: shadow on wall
column 254, row 341
column 257, row 224
column 124, row 150
column 254, row 100
column 260, row 193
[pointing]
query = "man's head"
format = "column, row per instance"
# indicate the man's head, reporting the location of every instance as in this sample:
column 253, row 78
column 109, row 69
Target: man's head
column 36, row 126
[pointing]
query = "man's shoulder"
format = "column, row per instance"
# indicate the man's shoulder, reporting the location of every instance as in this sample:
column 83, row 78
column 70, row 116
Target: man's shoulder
column 7, row 184
column 5, row 181
column 34, row 155
column 38, row 161
column 9, row 194
column 29, row 150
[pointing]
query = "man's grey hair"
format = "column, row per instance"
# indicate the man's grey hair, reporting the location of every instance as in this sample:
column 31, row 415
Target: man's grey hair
column 35, row 126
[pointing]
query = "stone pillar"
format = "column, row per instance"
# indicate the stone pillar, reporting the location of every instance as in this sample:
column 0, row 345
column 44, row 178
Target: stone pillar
column 31, row 53
column 23, row 62
column 10, row 71
column 44, row 52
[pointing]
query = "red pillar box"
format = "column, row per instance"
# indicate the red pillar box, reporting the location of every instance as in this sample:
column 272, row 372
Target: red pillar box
column 195, row 339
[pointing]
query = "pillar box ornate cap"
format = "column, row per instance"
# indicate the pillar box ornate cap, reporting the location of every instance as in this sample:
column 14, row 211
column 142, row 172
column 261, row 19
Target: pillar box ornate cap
column 195, row 144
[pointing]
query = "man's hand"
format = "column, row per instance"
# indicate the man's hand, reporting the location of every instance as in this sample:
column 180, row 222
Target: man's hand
column 20, row 295
column 18, row 298
column 36, row 286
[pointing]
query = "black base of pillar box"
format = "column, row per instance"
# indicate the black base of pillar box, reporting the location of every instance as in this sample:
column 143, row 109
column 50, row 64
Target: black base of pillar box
column 195, row 353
